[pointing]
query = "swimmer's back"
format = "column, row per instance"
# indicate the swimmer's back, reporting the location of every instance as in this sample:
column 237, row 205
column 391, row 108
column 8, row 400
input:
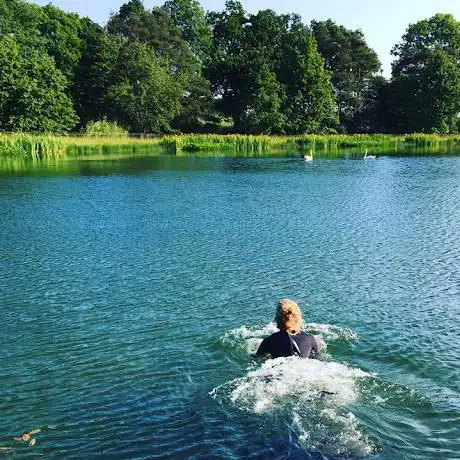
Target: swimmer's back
column 282, row 344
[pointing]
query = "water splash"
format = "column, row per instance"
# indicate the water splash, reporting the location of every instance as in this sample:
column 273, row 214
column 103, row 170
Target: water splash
column 313, row 396
column 332, row 333
column 246, row 339
column 262, row 389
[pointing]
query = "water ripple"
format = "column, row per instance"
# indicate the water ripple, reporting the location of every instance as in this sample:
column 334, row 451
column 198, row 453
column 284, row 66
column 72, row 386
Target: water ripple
column 127, row 298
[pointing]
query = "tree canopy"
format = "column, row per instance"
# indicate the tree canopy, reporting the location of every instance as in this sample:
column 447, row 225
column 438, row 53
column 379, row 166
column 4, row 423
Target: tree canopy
column 426, row 76
column 142, row 93
column 352, row 64
column 189, row 17
column 32, row 91
column 298, row 94
column 176, row 68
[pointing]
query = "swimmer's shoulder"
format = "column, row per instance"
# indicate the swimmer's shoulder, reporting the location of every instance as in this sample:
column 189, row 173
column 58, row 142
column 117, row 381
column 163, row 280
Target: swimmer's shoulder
column 315, row 341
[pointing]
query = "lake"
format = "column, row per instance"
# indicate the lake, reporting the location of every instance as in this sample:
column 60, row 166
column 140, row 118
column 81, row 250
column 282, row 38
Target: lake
column 134, row 290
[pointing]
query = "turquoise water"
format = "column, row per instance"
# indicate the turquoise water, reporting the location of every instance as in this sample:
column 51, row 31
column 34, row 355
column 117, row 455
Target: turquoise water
column 134, row 290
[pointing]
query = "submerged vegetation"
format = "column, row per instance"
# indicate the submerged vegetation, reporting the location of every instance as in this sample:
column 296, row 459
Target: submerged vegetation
column 47, row 146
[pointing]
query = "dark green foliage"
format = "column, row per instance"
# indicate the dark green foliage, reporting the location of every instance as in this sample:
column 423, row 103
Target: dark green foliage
column 352, row 64
column 173, row 68
column 426, row 77
column 297, row 96
column 39, row 67
column 49, row 29
column 374, row 115
column 310, row 105
column 154, row 28
column 196, row 109
column 32, row 91
column 157, row 30
column 90, row 82
column 21, row 20
column 264, row 112
column 227, row 71
column 62, row 39
column 143, row 96
column 189, row 17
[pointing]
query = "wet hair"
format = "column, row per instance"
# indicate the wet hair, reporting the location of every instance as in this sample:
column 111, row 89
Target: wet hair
column 288, row 316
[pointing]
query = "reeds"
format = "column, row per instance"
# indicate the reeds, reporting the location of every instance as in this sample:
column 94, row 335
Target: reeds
column 431, row 140
column 340, row 141
column 213, row 142
column 31, row 146
column 49, row 146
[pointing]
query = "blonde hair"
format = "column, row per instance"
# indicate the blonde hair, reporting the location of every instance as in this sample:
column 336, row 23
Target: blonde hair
column 288, row 316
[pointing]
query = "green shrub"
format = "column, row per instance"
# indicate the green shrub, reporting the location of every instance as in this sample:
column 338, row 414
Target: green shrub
column 104, row 128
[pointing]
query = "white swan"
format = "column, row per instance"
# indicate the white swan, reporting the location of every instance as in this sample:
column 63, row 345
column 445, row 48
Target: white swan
column 369, row 157
column 309, row 157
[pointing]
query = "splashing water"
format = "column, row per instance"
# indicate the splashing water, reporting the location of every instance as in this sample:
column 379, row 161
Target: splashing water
column 332, row 333
column 313, row 395
column 262, row 389
column 246, row 339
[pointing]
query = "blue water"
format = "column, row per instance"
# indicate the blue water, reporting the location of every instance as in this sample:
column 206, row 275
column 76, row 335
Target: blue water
column 133, row 291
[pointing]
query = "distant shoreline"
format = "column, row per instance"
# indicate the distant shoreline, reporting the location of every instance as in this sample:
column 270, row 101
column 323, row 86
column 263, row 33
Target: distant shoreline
column 41, row 146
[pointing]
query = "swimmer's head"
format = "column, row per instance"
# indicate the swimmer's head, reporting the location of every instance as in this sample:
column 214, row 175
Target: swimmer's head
column 288, row 316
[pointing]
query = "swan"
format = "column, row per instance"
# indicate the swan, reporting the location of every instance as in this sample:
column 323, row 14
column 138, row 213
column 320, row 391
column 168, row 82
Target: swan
column 368, row 157
column 309, row 157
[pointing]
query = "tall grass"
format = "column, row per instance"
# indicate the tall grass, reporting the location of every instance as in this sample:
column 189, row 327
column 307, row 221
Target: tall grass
column 212, row 142
column 31, row 146
column 49, row 146
column 431, row 140
column 340, row 141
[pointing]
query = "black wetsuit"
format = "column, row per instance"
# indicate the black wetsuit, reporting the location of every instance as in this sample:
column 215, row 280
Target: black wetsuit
column 282, row 344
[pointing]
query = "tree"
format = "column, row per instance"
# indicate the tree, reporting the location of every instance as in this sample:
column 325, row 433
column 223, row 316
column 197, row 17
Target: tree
column 143, row 96
column 311, row 105
column 32, row 91
column 155, row 28
column 426, row 76
column 91, row 78
column 374, row 116
column 227, row 70
column 189, row 17
column 264, row 111
column 297, row 96
column 48, row 28
column 352, row 64
column 196, row 105
column 62, row 39
column 21, row 21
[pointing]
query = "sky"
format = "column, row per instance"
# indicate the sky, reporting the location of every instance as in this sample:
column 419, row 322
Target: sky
column 382, row 22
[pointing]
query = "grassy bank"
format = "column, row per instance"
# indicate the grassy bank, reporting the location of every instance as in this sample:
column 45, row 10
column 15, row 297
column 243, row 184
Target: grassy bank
column 48, row 146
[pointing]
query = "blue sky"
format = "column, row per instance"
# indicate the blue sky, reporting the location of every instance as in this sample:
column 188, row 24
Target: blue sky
column 383, row 22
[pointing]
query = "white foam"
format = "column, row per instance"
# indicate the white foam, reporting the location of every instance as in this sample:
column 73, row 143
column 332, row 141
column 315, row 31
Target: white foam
column 248, row 338
column 331, row 333
column 313, row 395
column 379, row 400
column 263, row 388
column 333, row 433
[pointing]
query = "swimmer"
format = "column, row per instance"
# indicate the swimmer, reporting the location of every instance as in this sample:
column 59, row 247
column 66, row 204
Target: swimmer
column 290, row 340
